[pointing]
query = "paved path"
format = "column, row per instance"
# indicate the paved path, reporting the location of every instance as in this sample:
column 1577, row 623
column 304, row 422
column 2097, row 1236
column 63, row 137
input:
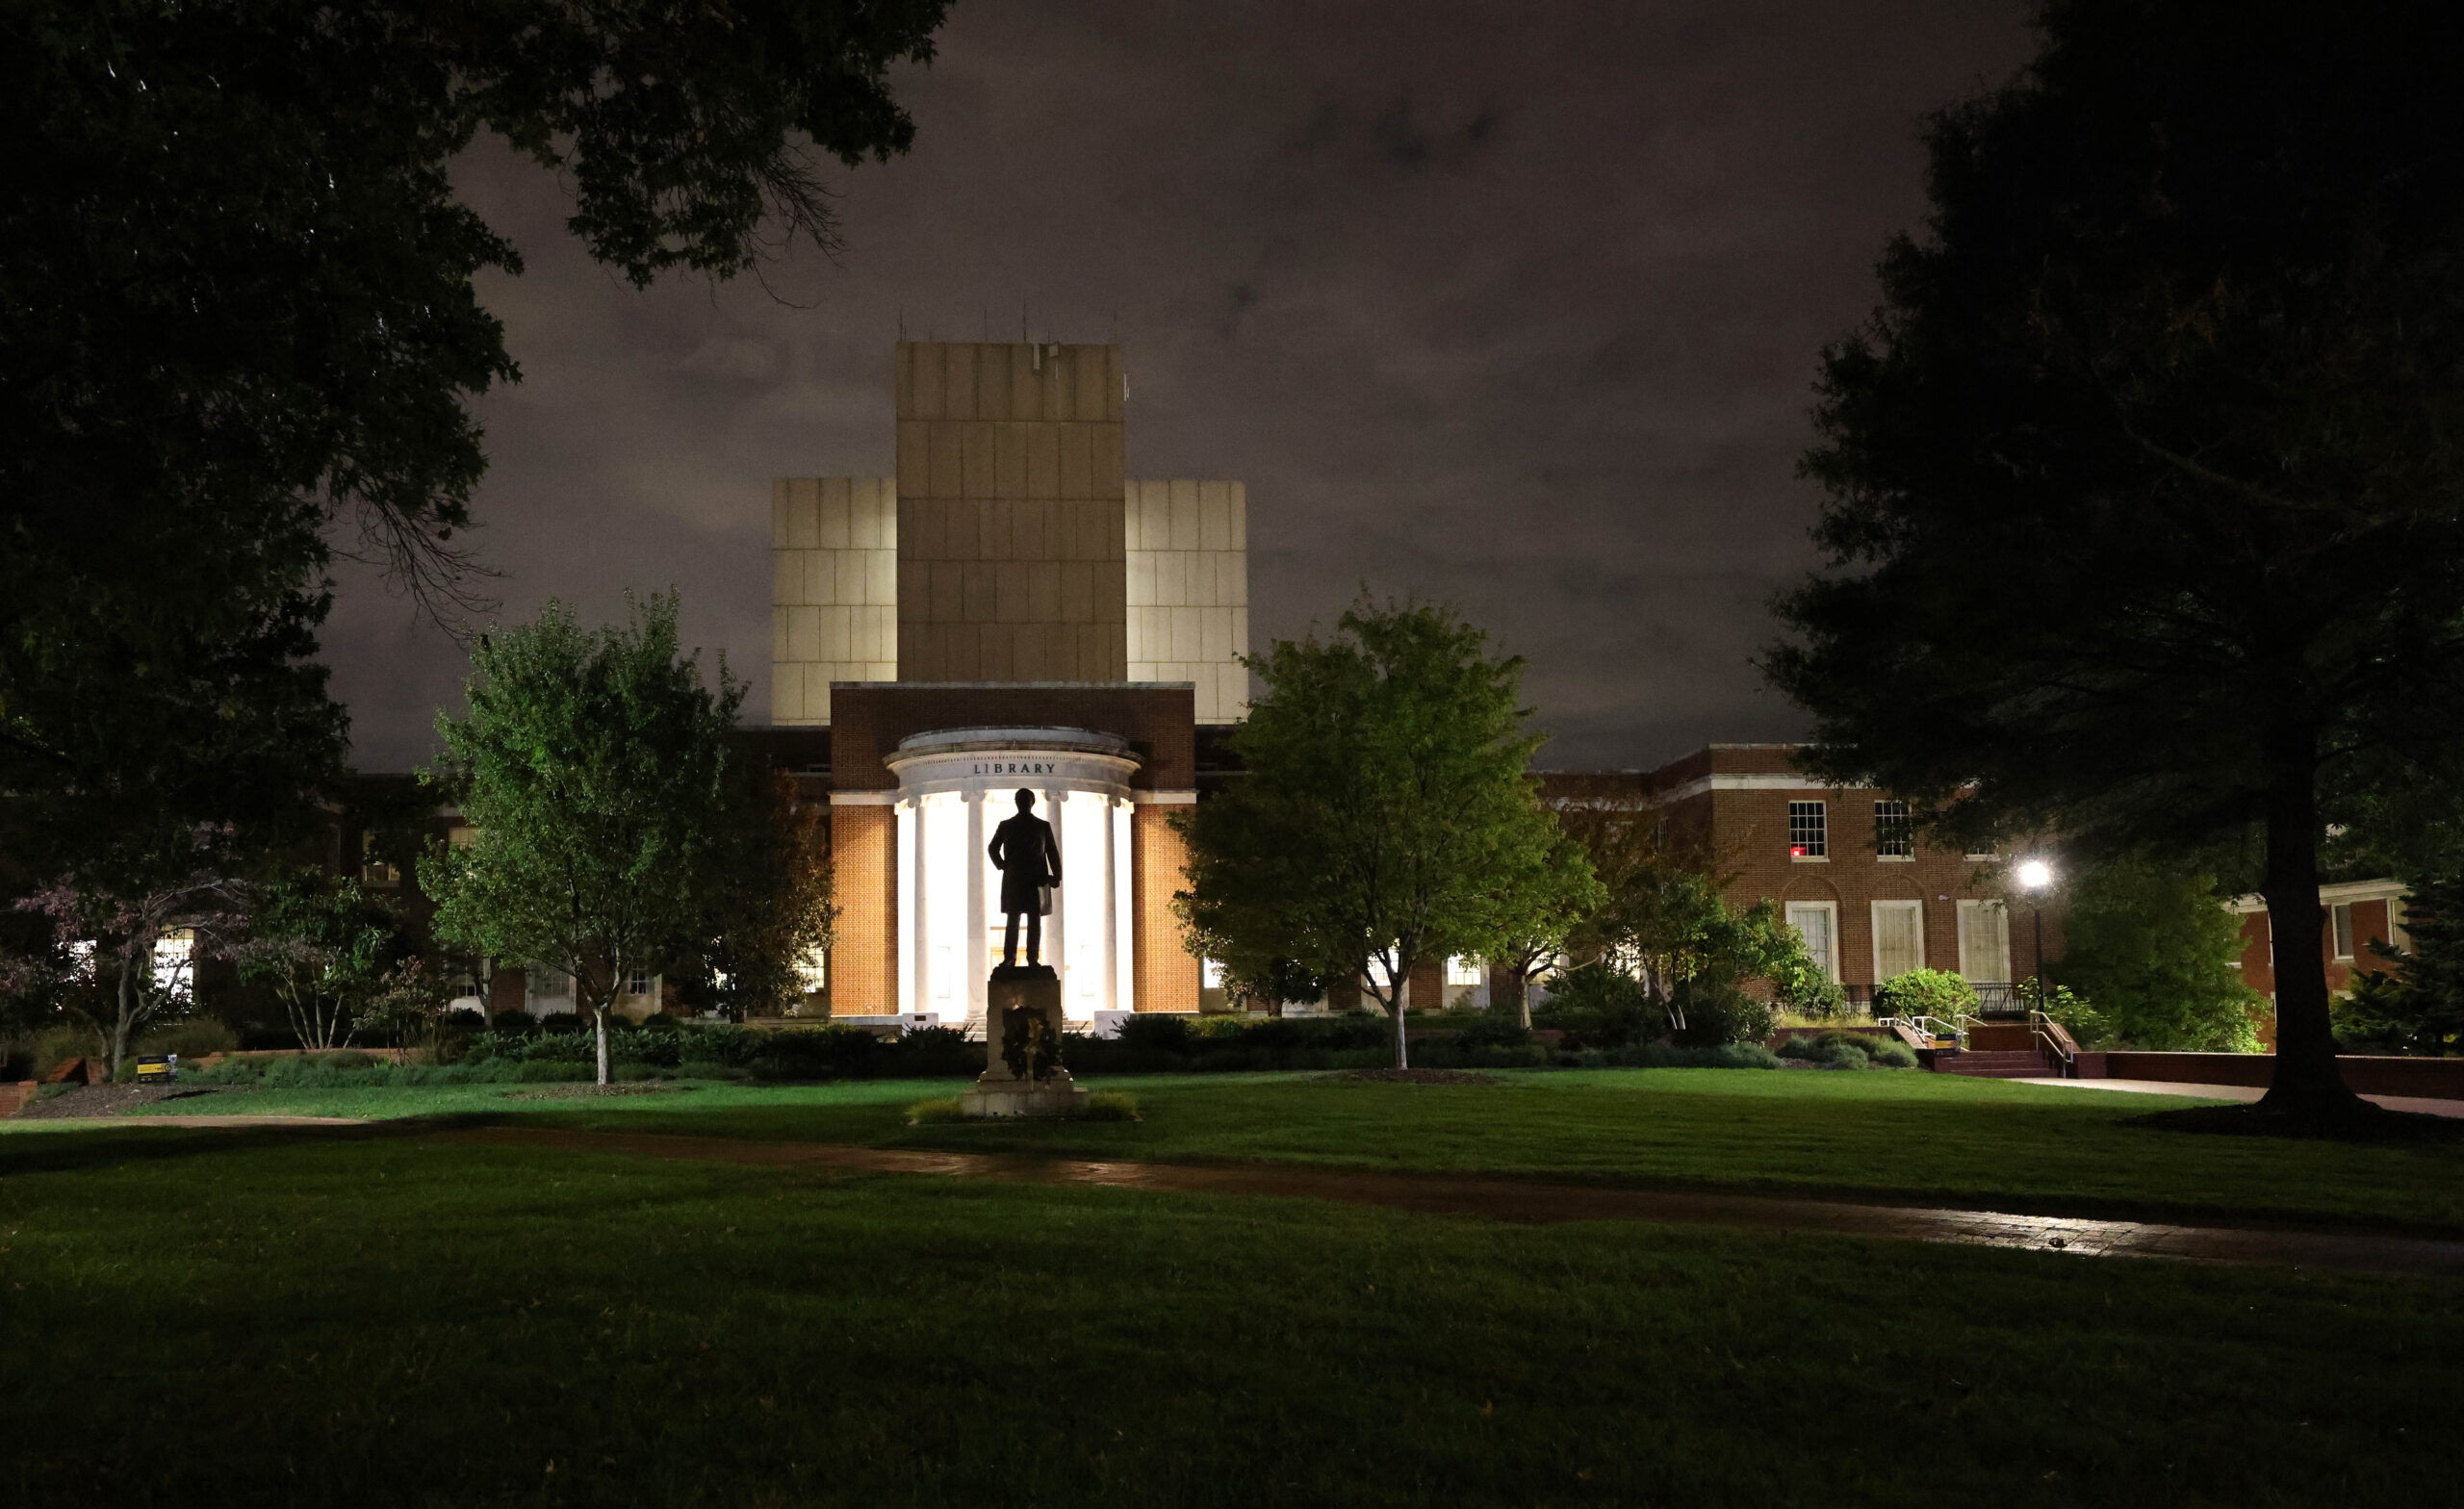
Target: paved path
column 2246, row 1094
column 1503, row 1199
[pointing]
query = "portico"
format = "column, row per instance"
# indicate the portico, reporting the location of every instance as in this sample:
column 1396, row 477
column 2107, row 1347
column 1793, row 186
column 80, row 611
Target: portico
column 954, row 786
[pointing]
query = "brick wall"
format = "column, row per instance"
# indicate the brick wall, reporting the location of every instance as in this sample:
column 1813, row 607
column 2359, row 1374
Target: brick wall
column 863, row 957
column 1168, row 974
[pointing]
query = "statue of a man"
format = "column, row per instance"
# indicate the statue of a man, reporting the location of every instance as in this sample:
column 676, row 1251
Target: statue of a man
column 1029, row 860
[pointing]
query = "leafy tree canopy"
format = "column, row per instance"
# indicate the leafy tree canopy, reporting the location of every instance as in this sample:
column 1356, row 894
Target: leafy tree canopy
column 237, row 314
column 1385, row 820
column 2143, row 489
column 595, row 769
column 2155, row 954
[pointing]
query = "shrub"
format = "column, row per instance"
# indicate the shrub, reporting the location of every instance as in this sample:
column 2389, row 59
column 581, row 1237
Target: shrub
column 1158, row 1031
column 193, row 1038
column 1495, row 1030
column 1838, row 1050
column 1599, row 1006
column 513, row 1024
column 1924, row 992
column 711, row 1069
column 1661, row 1055
column 563, row 1022
column 1719, row 1012
column 1890, row 1053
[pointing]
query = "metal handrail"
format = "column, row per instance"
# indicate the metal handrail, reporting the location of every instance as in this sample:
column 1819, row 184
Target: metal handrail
column 2057, row 1037
column 1926, row 1025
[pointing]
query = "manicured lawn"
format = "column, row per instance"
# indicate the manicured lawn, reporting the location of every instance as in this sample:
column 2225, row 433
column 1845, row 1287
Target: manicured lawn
column 257, row 1318
column 1905, row 1136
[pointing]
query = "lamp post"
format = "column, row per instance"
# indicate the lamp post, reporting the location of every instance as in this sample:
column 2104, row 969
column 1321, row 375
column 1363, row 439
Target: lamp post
column 2034, row 875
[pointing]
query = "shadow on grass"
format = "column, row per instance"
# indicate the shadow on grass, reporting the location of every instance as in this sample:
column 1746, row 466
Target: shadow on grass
column 94, row 1148
column 2369, row 1124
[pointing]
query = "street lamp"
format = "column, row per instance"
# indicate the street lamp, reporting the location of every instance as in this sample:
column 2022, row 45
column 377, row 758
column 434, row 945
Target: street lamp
column 2034, row 875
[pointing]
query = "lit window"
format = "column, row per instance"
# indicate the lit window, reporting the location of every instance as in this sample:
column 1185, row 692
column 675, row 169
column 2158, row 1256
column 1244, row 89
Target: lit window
column 1210, row 974
column 812, row 971
column 1894, row 836
column 1807, row 838
column 1462, row 971
column 637, row 983
column 373, row 869
column 2342, row 911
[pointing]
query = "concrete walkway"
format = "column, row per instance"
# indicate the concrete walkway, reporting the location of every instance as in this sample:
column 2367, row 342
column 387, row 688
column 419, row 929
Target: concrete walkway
column 2247, row 1095
column 1512, row 1200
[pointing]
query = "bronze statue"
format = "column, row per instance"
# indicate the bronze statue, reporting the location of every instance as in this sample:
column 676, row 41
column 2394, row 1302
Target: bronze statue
column 1029, row 859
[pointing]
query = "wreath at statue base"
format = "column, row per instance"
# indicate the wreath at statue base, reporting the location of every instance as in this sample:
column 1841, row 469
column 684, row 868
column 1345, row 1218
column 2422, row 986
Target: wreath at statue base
column 1023, row 1074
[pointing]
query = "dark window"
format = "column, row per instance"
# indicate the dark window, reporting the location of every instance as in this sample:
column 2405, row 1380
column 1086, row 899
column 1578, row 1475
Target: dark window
column 1892, row 835
column 1807, row 837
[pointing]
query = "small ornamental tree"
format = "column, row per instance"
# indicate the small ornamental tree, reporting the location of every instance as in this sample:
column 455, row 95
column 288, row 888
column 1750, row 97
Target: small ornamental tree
column 763, row 900
column 1385, row 820
column 131, row 956
column 594, row 765
column 322, row 946
column 1546, row 906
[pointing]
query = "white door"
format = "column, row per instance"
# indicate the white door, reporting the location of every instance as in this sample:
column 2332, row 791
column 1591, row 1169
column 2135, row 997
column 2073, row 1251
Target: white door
column 1899, row 938
column 1817, row 922
column 1984, row 942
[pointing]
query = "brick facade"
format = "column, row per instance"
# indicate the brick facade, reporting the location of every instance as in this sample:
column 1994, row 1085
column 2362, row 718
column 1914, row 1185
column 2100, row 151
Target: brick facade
column 1168, row 974
column 863, row 957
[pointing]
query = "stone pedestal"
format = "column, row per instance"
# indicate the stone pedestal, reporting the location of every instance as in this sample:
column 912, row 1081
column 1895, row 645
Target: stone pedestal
column 999, row 1091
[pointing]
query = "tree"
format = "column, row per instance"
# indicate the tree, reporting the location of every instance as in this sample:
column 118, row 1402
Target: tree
column 1544, row 908
column 323, row 947
column 237, row 320
column 594, row 766
column 2143, row 485
column 764, row 897
column 131, row 956
column 1385, row 820
column 1664, row 921
column 2156, row 953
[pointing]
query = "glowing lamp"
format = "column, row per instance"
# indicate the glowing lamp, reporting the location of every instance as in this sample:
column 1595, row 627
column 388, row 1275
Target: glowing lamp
column 2034, row 875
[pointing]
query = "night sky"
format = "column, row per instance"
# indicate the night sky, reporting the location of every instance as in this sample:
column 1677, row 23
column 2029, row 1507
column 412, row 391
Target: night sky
column 1515, row 307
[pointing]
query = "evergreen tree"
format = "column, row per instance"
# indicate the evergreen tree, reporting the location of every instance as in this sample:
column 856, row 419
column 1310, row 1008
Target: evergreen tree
column 2145, row 500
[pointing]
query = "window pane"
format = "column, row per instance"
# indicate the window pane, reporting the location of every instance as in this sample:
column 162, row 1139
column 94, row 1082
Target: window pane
column 1892, row 835
column 2343, row 914
column 1807, row 835
column 1899, row 938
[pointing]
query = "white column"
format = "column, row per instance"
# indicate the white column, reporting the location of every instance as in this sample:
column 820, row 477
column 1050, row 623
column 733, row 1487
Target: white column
column 1056, row 932
column 975, row 956
column 1124, row 991
column 908, row 885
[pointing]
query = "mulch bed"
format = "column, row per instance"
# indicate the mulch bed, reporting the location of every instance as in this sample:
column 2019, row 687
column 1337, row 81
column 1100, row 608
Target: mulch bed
column 108, row 1100
column 1417, row 1077
column 582, row 1092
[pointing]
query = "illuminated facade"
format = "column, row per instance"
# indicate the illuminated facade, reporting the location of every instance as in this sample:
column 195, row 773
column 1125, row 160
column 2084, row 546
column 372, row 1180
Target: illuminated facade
column 1010, row 611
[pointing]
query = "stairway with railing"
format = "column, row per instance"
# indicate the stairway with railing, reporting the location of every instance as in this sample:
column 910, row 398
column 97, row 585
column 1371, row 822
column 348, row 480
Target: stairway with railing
column 2033, row 1047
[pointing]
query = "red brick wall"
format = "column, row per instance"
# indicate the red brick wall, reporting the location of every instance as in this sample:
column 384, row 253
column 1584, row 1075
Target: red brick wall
column 2369, row 920
column 863, row 957
column 1168, row 974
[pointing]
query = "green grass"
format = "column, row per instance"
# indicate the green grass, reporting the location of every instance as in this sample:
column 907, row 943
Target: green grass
column 269, row 1318
column 1889, row 1135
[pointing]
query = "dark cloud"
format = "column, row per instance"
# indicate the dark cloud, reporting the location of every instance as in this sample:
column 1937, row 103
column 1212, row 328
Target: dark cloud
column 1512, row 307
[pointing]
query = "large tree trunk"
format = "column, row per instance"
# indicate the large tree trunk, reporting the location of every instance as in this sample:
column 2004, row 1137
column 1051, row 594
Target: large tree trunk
column 1401, row 985
column 599, row 1019
column 1522, row 998
column 2306, row 1082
